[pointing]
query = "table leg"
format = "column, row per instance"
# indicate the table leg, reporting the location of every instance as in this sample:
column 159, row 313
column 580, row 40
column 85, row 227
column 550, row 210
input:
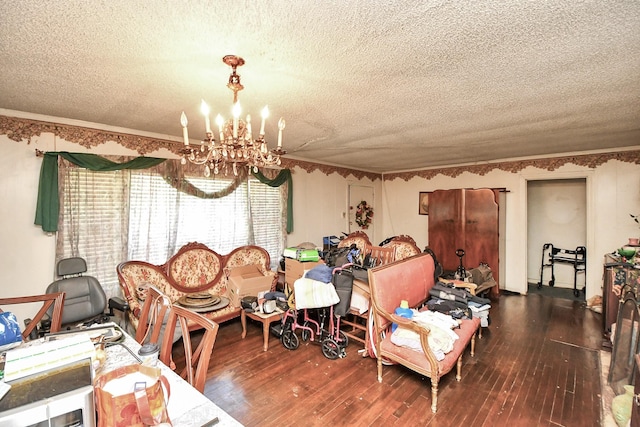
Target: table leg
column 243, row 321
column 265, row 334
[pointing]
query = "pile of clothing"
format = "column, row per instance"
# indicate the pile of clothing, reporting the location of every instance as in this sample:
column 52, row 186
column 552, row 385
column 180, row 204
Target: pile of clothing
column 447, row 305
column 459, row 303
column 441, row 335
column 482, row 276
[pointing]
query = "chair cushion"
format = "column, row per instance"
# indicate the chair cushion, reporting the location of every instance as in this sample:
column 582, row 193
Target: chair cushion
column 84, row 298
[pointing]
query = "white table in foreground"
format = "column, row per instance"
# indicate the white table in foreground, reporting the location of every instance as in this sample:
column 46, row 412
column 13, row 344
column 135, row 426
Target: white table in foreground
column 187, row 406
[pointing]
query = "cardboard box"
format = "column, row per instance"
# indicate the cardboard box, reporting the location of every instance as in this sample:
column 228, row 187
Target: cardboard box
column 294, row 269
column 247, row 281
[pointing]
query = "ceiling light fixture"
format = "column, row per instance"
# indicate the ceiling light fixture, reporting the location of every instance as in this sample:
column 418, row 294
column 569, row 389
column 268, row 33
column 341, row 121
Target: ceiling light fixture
column 236, row 145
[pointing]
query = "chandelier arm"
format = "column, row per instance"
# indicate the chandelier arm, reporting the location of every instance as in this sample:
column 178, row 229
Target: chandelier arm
column 197, row 161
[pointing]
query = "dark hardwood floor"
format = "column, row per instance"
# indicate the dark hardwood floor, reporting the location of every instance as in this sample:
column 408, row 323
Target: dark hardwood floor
column 536, row 365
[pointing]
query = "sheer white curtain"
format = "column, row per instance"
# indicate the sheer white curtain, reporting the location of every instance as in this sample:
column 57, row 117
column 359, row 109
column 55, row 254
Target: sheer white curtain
column 153, row 219
column 163, row 219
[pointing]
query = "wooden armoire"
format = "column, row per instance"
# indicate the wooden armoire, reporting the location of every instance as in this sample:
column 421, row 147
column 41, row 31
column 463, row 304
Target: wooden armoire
column 465, row 219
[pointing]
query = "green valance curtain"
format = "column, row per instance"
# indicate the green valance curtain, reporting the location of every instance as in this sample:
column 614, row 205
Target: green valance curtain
column 174, row 176
column 48, row 205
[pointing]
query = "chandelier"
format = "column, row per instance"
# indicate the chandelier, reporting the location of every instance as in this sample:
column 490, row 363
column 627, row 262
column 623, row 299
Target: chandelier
column 236, row 145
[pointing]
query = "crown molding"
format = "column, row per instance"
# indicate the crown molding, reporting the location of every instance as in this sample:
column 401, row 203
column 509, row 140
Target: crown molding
column 22, row 129
column 550, row 164
column 328, row 169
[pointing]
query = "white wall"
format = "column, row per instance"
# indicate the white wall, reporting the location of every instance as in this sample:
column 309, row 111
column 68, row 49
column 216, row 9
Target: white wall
column 613, row 192
column 28, row 254
column 321, row 206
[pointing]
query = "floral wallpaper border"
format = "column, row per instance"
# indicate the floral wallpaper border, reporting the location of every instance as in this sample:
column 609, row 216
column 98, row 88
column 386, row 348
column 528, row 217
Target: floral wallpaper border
column 19, row 129
column 550, row 164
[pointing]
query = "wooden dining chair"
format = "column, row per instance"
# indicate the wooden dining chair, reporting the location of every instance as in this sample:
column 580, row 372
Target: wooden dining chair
column 152, row 316
column 382, row 255
column 196, row 360
column 356, row 321
column 55, row 300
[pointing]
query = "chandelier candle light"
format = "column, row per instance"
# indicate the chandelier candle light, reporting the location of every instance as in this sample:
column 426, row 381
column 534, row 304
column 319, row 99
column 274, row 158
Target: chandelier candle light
column 236, row 145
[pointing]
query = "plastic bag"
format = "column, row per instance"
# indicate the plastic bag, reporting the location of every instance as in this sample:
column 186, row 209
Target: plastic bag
column 9, row 329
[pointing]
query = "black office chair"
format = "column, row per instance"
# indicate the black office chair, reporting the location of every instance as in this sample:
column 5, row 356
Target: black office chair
column 85, row 301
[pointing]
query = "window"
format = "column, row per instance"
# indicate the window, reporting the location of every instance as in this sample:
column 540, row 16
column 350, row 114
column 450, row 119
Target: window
column 268, row 218
column 111, row 217
column 93, row 223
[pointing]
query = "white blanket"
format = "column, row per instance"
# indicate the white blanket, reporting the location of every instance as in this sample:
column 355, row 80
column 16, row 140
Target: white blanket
column 311, row 293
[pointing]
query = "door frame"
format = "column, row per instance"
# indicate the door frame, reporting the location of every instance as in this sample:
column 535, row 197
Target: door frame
column 593, row 263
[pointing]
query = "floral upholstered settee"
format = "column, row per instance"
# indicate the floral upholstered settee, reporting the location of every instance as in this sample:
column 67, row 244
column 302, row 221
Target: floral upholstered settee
column 404, row 247
column 195, row 268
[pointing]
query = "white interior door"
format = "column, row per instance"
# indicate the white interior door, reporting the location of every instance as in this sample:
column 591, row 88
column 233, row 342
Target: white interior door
column 358, row 193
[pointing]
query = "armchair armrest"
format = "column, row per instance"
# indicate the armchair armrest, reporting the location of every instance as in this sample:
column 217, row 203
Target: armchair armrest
column 117, row 303
column 403, row 321
column 423, row 332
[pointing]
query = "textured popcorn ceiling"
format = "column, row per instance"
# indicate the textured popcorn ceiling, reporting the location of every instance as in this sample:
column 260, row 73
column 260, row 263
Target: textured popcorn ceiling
column 374, row 85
